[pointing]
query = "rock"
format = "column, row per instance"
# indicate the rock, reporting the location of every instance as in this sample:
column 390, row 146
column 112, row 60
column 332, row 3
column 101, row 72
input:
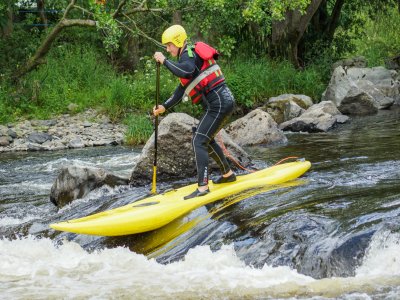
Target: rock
column 358, row 102
column 381, row 100
column 359, row 62
column 35, row 147
column 243, row 133
column 393, row 63
column 3, row 130
column 175, row 159
column 4, row 141
column 386, row 81
column 282, row 107
column 87, row 124
column 301, row 100
column 39, row 137
column 76, row 143
column 338, row 87
column 320, row 117
column 74, row 182
column 362, row 88
column 49, row 123
column 12, row 133
column 292, row 110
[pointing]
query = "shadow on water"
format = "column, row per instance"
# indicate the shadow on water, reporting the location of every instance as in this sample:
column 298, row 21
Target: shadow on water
column 320, row 225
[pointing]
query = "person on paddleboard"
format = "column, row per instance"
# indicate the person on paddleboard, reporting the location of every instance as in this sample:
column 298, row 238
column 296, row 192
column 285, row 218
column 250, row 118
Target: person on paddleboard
column 202, row 81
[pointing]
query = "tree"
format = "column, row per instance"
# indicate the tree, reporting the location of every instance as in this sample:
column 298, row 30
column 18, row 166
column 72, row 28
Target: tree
column 6, row 18
column 98, row 16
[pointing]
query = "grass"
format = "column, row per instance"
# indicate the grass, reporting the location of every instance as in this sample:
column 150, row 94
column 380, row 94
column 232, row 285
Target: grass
column 255, row 81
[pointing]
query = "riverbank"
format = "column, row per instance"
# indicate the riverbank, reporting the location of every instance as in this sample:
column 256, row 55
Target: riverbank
column 67, row 131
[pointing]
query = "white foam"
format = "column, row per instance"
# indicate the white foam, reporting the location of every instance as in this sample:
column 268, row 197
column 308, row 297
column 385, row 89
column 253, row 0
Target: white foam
column 7, row 221
column 36, row 268
column 382, row 257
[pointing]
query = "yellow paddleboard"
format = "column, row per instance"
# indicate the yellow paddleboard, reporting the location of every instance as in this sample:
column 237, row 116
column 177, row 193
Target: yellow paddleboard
column 156, row 211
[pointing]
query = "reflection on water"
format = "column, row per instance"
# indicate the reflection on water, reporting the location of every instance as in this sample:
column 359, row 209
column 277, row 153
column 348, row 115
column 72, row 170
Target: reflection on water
column 333, row 234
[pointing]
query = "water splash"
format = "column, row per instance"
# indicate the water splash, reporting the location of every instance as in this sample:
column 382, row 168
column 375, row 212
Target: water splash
column 36, row 268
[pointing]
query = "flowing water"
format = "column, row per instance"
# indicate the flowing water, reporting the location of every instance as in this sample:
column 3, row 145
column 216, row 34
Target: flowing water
column 333, row 234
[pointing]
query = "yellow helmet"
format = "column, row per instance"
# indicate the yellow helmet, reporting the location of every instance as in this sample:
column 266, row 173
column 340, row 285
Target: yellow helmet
column 175, row 34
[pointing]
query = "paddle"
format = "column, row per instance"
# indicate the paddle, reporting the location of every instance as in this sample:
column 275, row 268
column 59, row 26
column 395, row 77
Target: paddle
column 154, row 186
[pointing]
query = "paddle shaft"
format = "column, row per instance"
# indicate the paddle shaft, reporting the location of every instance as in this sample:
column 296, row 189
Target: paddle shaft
column 154, row 185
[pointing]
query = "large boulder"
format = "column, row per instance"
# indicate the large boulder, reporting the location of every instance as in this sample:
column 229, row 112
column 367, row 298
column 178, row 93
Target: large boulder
column 287, row 106
column 74, row 182
column 243, row 130
column 320, row 117
column 175, row 158
column 362, row 90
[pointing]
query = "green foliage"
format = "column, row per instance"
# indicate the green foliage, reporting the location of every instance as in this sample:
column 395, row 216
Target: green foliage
column 254, row 81
column 15, row 48
column 107, row 25
column 227, row 23
column 381, row 38
column 139, row 129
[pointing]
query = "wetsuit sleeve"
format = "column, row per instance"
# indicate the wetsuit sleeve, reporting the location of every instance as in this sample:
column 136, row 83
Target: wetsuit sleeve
column 184, row 68
column 175, row 98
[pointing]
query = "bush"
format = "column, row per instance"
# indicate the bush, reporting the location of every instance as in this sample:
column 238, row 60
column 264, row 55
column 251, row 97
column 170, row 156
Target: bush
column 381, row 38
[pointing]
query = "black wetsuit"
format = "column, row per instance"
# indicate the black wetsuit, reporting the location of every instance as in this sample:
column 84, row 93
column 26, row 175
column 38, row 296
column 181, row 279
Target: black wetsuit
column 218, row 105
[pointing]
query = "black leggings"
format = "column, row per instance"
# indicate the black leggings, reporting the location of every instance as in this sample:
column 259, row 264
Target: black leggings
column 219, row 106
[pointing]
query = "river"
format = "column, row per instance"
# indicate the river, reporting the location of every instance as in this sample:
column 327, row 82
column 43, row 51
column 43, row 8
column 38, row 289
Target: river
column 333, row 234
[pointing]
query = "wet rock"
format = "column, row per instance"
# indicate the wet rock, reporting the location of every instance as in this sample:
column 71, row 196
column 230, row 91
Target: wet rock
column 74, row 182
column 175, row 159
column 347, row 255
column 243, row 130
column 320, row 117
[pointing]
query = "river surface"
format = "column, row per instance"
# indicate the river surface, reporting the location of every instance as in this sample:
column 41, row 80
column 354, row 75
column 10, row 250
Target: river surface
column 333, row 234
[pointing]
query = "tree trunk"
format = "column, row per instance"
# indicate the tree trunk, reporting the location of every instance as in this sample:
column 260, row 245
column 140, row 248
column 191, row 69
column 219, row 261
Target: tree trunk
column 133, row 47
column 9, row 24
column 177, row 17
column 286, row 34
column 38, row 57
column 41, row 12
column 334, row 20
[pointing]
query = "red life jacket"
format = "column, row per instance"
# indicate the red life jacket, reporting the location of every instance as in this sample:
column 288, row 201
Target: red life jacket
column 210, row 74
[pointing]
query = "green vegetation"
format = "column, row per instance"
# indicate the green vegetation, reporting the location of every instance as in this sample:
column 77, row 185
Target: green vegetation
column 139, row 130
column 381, row 38
column 120, row 81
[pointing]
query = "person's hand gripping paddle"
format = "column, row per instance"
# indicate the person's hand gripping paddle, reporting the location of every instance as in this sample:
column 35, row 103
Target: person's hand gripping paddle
column 154, row 185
